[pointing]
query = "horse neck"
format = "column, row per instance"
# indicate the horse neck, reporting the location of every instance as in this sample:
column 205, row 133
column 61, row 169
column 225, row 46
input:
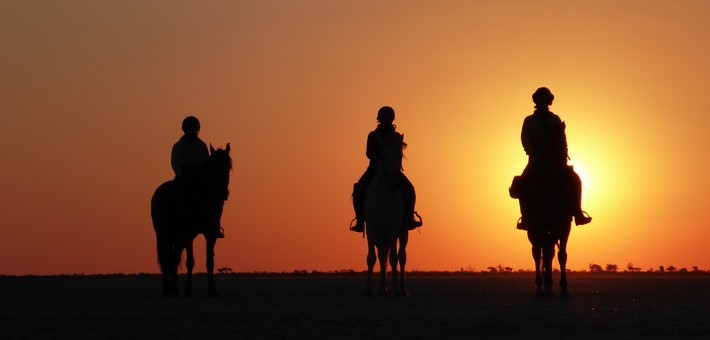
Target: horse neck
column 379, row 185
column 217, row 179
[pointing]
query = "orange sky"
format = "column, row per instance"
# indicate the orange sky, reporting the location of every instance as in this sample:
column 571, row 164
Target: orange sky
column 93, row 93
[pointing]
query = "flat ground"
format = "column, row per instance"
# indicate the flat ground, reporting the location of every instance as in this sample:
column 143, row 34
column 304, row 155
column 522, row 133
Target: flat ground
column 440, row 307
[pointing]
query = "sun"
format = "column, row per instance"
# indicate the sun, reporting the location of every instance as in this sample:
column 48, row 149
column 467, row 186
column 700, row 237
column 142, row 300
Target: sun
column 582, row 173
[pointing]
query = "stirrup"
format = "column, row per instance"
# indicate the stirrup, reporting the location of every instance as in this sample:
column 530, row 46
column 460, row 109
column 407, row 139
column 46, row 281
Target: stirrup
column 355, row 227
column 219, row 233
column 584, row 220
column 416, row 222
column 520, row 225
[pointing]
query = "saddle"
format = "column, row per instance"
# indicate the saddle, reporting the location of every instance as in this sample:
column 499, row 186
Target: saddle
column 555, row 190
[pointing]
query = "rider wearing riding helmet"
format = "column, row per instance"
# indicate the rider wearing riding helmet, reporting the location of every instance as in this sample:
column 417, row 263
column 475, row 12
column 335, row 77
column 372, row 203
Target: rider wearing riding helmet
column 385, row 118
column 545, row 142
column 187, row 155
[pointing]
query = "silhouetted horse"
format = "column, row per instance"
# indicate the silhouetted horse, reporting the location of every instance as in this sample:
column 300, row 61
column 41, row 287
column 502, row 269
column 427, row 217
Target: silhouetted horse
column 181, row 211
column 548, row 216
column 384, row 223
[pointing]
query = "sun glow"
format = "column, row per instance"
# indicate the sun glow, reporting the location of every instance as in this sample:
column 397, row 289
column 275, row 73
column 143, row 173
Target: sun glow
column 586, row 179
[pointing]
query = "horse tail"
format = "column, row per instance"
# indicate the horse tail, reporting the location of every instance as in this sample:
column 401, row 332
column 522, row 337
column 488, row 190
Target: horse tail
column 160, row 204
column 159, row 213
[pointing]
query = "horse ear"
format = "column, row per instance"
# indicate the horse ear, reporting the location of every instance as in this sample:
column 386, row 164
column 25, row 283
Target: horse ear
column 227, row 149
column 212, row 150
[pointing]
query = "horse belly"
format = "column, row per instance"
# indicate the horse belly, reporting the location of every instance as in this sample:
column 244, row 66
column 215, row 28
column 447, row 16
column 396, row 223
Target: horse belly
column 384, row 212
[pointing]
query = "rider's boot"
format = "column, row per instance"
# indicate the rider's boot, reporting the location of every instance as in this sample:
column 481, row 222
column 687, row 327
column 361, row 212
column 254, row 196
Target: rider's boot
column 217, row 232
column 582, row 218
column 415, row 222
column 359, row 207
column 359, row 225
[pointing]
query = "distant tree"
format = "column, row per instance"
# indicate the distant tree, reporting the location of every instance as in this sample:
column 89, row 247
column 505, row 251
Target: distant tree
column 662, row 269
column 695, row 269
column 508, row 269
column 492, row 269
column 501, row 269
column 671, row 269
column 595, row 268
column 683, row 270
column 633, row 269
column 224, row 270
column 612, row 268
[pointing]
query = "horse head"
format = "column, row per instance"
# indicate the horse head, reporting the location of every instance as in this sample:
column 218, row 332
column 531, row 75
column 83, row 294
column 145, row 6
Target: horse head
column 218, row 166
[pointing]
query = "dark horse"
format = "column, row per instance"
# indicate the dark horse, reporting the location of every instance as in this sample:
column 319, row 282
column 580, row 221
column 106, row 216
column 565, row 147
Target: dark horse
column 545, row 200
column 181, row 211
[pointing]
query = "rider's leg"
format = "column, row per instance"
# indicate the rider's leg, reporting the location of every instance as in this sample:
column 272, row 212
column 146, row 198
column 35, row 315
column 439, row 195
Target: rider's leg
column 358, row 206
column 576, row 198
column 216, row 228
column 524, row 212
column 409, row 197
column 359, row 190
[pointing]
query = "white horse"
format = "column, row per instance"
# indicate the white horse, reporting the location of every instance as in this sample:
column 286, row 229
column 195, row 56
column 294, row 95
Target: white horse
column 384, row 210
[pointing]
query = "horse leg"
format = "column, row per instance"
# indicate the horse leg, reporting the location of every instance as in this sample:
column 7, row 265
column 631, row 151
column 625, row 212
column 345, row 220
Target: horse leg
column 166, row 283
column 562, row 258
column 190, row 265
column 175, row 258
column 536, row 254
column 371, row 259
column 548, row 254
column 539, row 270
column 165, row 260
column 402, row 257
column 210, row 244
column 393, row 264
column 382, row 254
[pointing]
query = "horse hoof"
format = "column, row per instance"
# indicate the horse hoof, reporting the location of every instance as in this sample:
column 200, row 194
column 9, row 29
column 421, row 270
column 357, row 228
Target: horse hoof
column 548, row 292
column 383, row 292
column 403, row 293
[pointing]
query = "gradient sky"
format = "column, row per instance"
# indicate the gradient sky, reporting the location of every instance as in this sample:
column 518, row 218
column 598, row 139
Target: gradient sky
column 93, row 93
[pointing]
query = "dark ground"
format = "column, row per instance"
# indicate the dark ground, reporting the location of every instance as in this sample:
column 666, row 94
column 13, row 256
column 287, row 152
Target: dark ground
column 308, row 307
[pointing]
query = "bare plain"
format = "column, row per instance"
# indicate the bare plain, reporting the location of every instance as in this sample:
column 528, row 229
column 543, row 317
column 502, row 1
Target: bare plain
column 314, row 307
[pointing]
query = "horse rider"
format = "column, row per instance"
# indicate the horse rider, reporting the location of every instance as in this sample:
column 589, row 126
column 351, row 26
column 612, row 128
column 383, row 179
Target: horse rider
column 385, row 126
column 187, row 156
column 545, row 142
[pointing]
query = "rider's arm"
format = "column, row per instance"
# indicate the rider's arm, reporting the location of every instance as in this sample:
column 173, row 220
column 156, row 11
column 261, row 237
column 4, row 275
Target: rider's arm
column 526, row 135
column 373, row 149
